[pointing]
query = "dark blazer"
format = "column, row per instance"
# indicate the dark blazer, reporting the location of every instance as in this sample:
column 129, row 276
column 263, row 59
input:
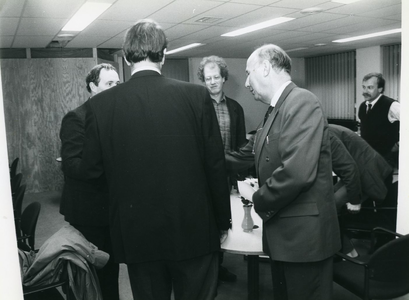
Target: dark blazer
column 373, row 168
column 345, row 167
column 293, row 161
column 237, row 124
column 158, row 142
column 83, row 202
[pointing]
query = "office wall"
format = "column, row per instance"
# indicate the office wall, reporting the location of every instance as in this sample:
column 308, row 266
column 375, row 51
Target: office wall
column 37, row 94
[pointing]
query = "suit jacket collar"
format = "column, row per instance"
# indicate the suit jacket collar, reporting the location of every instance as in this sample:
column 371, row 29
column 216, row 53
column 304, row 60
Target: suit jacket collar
column 266, row 129
column 145, row 73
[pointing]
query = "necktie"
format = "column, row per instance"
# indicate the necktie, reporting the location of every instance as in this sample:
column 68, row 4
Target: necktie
column 269, row 110
column 368, row 108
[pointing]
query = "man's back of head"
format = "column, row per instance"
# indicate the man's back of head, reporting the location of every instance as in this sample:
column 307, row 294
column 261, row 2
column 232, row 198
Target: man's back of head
column 145, row 41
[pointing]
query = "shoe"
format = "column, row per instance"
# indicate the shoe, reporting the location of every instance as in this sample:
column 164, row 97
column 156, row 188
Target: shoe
column 226, row 276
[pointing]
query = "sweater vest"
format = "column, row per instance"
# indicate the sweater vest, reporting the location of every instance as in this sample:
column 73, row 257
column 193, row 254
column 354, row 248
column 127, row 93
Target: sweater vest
column 376, row 128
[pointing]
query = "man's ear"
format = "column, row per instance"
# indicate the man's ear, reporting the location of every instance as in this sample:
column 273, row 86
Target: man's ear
column 127, row 62
column 93, row 87
column 163, row 58
column 266, row 67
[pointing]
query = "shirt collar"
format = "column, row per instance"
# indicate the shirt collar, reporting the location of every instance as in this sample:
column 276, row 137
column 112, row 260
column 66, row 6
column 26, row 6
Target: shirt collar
column 277, row 95
column 223, row 98
column 374, row 101
column 145, row 68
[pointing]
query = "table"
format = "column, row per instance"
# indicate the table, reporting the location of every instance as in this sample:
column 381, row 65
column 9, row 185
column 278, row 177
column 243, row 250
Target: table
column 245, row 243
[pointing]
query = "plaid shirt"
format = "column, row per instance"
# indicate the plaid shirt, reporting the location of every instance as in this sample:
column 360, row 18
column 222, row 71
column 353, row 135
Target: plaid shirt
column 223, row 117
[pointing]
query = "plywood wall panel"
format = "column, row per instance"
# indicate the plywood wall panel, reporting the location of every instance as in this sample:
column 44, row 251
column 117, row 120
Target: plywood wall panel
column 37, row 94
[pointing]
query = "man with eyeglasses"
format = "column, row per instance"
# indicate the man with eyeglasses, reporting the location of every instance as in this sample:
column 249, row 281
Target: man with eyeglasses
column 214, row 73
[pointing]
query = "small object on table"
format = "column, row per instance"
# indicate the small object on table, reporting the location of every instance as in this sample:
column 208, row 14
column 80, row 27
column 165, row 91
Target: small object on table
column 248, row 223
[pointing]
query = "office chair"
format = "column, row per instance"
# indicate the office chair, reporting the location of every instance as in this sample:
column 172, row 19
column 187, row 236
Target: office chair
column 28, row 225
column 15, row 183
column 384, row 274
column 17, row 204
column 372, row 215
column 13, row 168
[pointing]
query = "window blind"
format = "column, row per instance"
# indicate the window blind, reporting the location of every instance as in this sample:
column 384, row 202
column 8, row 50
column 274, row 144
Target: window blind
column 332, row 79
column 391, row 69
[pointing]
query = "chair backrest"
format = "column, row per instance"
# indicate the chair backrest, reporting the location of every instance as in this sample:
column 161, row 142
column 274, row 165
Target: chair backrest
column 29, row 219
column 15, row 183
column 13, row 168
column 390, row 263
column 18, row 201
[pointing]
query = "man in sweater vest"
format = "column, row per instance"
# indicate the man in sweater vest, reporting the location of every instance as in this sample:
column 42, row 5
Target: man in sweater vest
column 380, row 116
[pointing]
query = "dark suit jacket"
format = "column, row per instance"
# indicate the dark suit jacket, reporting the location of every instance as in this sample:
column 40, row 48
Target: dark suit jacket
column 237, row 124
column 83, row 202
column 373, row 168
column 158, row 142
column 293, row 163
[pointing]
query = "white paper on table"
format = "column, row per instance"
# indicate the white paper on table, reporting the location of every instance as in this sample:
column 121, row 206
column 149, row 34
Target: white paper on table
column 246, row 190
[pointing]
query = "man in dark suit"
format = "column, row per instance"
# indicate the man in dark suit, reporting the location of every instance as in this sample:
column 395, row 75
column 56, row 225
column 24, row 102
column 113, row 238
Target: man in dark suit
column 363, row 174
column 214, row 73
column 84, row 203
column 158, row 142
column 380, row 118
column 292, row 157
column 374, row 173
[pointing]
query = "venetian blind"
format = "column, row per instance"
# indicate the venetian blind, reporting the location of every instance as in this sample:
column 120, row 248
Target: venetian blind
column 332, row 79
column 391, row 69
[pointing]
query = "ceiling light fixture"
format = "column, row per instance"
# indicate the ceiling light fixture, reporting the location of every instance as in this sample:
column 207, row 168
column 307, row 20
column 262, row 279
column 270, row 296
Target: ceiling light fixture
column 367, row 36
column 311, row 11
column 85, row 16
column 296, row 49
column 258, row 26
column 190, row 46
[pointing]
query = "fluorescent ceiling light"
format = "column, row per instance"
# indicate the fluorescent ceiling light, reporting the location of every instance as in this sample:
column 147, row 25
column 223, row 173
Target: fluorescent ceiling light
column 258, row 26
column 345, row 1
column 86, row 15
column 367, row 36
column 194, row 45
column 296, row 49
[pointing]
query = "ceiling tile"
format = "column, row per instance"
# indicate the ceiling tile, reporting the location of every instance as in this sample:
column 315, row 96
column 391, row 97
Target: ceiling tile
column 181, row 30
column 51, row 8
column 106, row 28
column 31, row 41
column 181, row 10
column 12, row 8
column 40, row 26
column 87, row 41
column 257, row 16
column 130, row 10
column 6, row 41
column 8, row 26
column 226, row 11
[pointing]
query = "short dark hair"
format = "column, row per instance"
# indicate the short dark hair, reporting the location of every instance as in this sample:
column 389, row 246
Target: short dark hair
column 224, row 71
column 379, row 77
column 145, row 39
column 93, row 75
column 276, row 56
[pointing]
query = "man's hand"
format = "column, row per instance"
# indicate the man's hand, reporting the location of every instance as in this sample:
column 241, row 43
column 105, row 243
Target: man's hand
column 353, row 208
column 223, row 236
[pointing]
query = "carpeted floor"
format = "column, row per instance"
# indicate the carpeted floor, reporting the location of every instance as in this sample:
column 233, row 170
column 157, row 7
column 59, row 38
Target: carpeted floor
column 51, row 221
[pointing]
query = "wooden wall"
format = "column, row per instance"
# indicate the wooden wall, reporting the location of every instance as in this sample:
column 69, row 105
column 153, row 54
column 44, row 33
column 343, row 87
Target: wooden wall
column 37, row 94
